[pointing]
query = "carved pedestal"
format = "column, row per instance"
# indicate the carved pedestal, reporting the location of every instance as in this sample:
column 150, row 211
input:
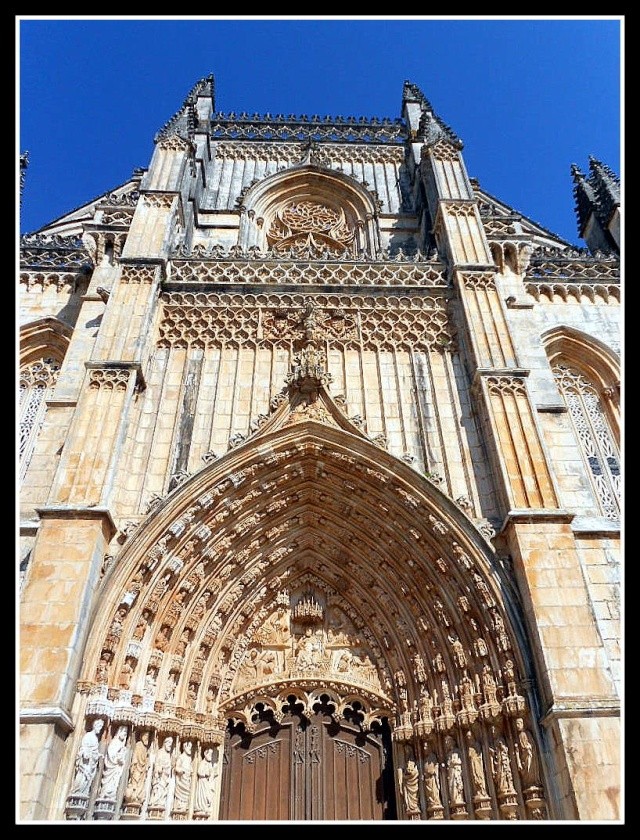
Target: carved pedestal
column 104, row 809
column 535, row 803
column 200, row 817
column 482, row 807
column 435, row 812
column 131, row 811
column 76, row 807
column 413, row 815
column 508, row 806
column 155, row 813
column 458, row 812
column 178, row 815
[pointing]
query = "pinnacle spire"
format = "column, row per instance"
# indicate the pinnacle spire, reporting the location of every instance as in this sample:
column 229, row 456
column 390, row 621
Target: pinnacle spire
column 185, row 121
column 597, row 197
column 576, row 173
column 429, row 126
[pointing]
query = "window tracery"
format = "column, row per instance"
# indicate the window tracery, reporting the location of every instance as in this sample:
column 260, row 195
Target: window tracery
column 594, row 433
column 310, row 226
column 37, row 381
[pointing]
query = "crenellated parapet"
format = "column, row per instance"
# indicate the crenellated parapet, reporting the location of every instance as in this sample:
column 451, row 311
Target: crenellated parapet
column 339, row 129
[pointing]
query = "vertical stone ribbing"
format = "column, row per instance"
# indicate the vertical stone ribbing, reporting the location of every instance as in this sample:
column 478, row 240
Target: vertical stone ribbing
column 529, row 480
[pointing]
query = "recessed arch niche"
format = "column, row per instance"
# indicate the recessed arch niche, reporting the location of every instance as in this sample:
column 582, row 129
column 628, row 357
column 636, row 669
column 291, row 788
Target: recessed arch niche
column 344, row 573
column 310, row 210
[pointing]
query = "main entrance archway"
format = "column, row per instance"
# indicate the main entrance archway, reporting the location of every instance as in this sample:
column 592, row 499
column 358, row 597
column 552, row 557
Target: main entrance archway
column 306, row 563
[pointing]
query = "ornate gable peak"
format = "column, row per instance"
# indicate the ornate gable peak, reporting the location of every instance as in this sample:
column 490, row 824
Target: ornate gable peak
column 305, row 397
column 184, row 122
column 597, row 193
column 431, row 128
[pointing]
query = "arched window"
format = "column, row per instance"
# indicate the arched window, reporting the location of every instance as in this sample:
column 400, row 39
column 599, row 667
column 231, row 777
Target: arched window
column 310, row 211
column 36, row 384
column 594, row 432
column 587, row 373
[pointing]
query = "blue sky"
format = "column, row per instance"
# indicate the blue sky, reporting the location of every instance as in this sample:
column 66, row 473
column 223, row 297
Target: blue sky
column 527, row 96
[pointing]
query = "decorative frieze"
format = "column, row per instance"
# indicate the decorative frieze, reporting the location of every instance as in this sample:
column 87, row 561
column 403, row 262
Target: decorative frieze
column 120, row 217
column 129, row 199
column 112, row 379
column 163, row 201
column 444, row 151
column 597, row 293
column 512, row 385
column 269, row 268
column 67, row 283
column 324, row 155
column 210, row 320
column 496, row 227
column 292, row 127
column 138, row 274
column 174, row 143
column 556, row 264
column 479, row 280
column 43, row 251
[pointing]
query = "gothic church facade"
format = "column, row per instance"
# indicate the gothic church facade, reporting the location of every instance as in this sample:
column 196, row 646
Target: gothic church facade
column 319, row 486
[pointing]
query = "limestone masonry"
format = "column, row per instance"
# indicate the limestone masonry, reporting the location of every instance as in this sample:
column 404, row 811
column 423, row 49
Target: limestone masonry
column 319, row 485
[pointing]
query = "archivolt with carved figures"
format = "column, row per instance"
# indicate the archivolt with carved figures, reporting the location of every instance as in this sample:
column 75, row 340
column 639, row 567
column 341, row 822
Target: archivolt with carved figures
column 315, row 612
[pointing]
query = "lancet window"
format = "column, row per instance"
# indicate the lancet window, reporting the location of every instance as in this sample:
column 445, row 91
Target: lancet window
column 37, row 381
column 594, row 433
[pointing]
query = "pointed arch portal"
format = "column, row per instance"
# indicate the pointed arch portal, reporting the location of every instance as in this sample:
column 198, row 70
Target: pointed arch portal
column 318, row 614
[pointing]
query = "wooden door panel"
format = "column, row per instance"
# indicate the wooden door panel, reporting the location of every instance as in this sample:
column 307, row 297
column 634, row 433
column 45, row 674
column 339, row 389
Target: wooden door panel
column 258, row 777
column 351, row 779
column 304, row 770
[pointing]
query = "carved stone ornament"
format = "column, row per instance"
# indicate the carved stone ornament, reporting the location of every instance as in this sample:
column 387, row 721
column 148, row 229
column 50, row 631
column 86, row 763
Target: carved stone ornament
column 303, row 641
column 310, row 227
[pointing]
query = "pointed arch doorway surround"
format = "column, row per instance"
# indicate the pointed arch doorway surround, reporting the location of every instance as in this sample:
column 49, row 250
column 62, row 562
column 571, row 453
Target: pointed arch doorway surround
column 310, row 560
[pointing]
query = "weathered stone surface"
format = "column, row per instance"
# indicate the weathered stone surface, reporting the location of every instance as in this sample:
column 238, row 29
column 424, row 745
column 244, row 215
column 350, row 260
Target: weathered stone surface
column 322, row 438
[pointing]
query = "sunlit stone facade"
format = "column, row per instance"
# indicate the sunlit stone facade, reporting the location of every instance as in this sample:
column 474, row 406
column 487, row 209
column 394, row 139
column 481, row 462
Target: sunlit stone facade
column 319, row 486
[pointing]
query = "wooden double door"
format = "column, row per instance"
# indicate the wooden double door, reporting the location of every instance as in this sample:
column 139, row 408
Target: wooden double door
column 307, row 769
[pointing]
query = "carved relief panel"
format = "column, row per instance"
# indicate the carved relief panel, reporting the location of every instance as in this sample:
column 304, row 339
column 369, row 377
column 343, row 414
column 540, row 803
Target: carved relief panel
column 308, row 639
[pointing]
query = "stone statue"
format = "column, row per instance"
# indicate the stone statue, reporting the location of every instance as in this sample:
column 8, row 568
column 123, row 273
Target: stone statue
column 150, row 680
column 102, row 669
column 183, row 641
column 458, row 651
column 526, row 756
column 432, row 782
column 476, row 764
column 467, row 697
column 162, row 771
column 183, row 772
column 204, row 792
column 134, row 792
column 87, row 760
column 171, row 686
column 118, row 621
column 410, row 787
column 113, row 764
column 501, row 767
column 455, row 784
column 141, row 627
column 309, row 651
column 162, row 639
column 126, row 672
column 420, row 671
column 489, row 686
